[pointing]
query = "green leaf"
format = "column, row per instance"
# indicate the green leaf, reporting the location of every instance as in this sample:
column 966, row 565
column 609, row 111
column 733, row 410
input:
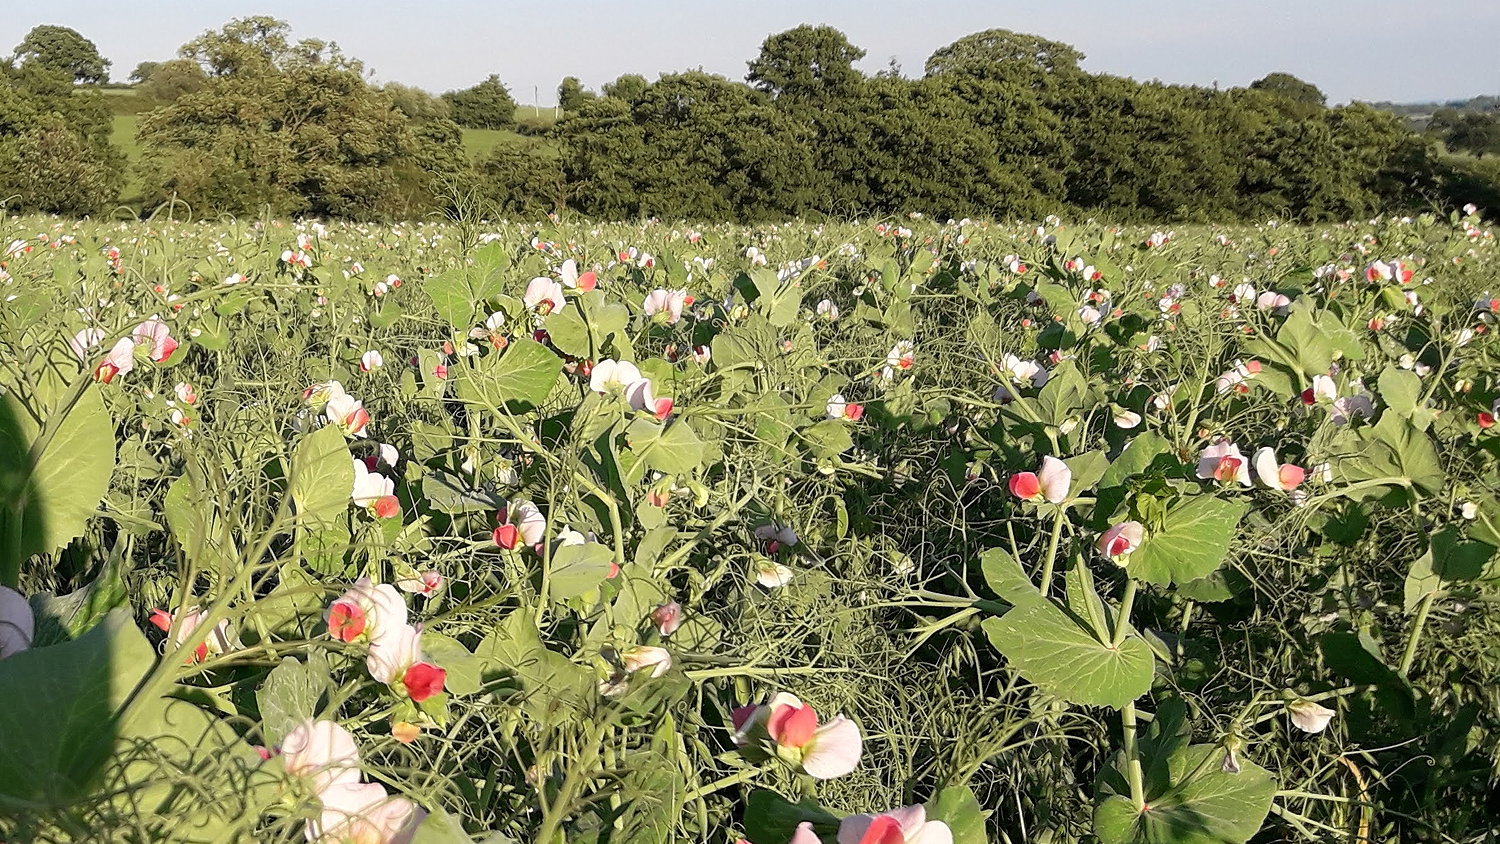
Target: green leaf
column 569, row 333
column 465, row 670
column 57, row 710
column 290, row 695
column 957, row 807
column 1087, row 470
column 771, row 817
column 56, row 495
column 521, row 376
column 1052, row 650
column 62, row 618
column 1213, row 807
column 1191, row 542
column 452, row 298
column 672, row 448
column 1448, row 559
column 1391, row 448
column 1004, row 575
column 544, row 680
column 828, row 438
column 1135, row 458
column 1400, row 389
column 576, row 569
column 322, row 477
column 439, row 827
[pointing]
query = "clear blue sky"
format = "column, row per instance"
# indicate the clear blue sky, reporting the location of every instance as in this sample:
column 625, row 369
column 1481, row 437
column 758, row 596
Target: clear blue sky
column 1399, row 50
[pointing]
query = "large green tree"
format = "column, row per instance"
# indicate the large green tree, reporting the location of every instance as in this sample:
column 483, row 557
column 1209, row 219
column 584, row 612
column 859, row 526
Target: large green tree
column 292, row 127
column 1001, row 53
column 63, row 49
column 811, row 64
column 487, row 105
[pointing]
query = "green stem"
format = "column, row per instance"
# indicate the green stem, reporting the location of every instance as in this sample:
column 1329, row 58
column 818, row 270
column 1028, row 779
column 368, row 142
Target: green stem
column 1122, row 621
column 1416, row 632
column 1133, row 758
column 1046, row 581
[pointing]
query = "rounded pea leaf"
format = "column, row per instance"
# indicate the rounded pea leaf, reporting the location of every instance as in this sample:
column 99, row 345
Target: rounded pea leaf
column 1191, row 542
column 1055, row 652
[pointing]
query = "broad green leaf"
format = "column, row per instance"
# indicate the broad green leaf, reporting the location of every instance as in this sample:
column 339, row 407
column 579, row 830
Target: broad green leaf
column 771, row 817
column 1448, row 559
column 1213, row 807
column 1400, row 389
column 1087, row 469
column 322, row 477
column 1390, row 449
column 1052, row 650
column 1063, row 396
column 452, row 298
column 1005, row 577
column 957, row 807
column 828, row 438
column 439, row 827
column 1136, row 457
column 568, row 332
column 56, row 495
column 62, row 618
column 57, row 711
column 671, row 448
column 576, row 569
column 465, row 670
column 521, row 376
column 1191, row 542
column 290, row 695
column 544, row 680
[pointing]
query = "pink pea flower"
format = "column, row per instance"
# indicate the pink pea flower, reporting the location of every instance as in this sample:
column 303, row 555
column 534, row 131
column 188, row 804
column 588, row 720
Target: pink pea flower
column 522, row 523
column 366, row 611
column 1224, row 463
column 1117, row 542
column 1050, row 483
column 659, row 660
column 156, row 335
column 375, row 492
column 322, row 751
column 571, row 278
column 363, row 813
column 221, row 640
column 789, row 729
column 906, row 825
column 544, row 296
column 396, row 657
column 667, row 303
column 642, row 397
column 119, row 361
column 668, row 617
column 348, row 413
column 1279, row 476
column 426, row 583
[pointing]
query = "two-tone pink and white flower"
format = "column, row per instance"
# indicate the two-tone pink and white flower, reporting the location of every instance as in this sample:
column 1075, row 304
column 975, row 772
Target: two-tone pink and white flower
column 375, row 492
column 666, row 305
column 1283, row 477
column 1050, row 483
column 544, row 296
column 789, row 729
column 1121, row 539
column 366, row 612
column 347, row 413
column 396, row 660
column 323, row 752
column 906, row 825
column 521, row 523
column 1224, row 463
column 363, row 813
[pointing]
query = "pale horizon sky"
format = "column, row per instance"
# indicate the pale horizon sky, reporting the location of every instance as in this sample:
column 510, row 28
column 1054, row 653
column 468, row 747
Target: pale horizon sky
column 1352, row 49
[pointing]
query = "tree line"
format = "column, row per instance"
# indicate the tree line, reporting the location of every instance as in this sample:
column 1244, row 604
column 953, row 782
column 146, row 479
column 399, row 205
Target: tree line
column 999, row 124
